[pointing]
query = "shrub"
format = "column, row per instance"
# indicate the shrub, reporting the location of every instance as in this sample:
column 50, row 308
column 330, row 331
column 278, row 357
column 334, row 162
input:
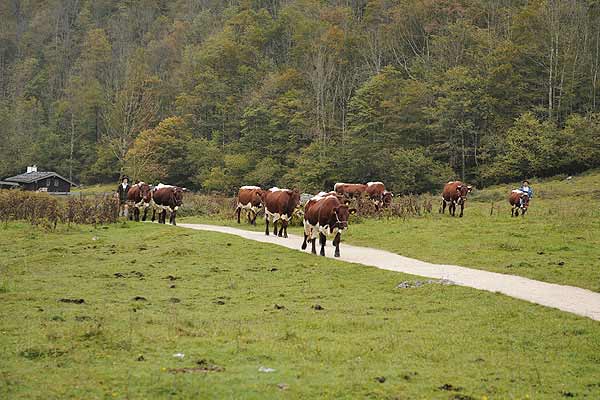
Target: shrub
column 45, row 210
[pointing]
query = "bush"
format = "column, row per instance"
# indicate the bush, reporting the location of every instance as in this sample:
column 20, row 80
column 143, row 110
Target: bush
column 402, row 207
column 207, row 205
column 42, row 209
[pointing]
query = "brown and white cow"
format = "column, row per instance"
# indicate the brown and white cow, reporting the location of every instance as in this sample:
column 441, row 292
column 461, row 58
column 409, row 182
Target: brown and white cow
column 325, row 215
column 518, row 200
column 140, row 197
column 387, row 198
column 249, row 199
column 350, row 190
column 167, row 198
column 378, row 195
column 455, row 192
column 280, row 204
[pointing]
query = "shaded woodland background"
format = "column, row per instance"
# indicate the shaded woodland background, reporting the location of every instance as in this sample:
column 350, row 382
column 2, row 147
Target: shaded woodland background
column 214, row 94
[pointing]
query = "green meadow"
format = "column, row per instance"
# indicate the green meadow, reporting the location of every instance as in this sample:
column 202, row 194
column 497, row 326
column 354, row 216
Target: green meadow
column 102, row 313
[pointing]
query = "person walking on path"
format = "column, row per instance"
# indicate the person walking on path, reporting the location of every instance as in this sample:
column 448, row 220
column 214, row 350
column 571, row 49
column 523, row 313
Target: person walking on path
column 122, row 193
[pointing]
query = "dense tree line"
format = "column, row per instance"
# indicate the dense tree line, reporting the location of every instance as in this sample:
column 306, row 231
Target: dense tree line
column 213, row 94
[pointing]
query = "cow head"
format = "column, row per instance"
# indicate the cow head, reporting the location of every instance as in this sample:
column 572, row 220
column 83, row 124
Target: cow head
column 177, row 195
column 260, row 195
column 296, row 196
column 463, row 191
column 145, row 192
column 387, row 198
column 341, row 214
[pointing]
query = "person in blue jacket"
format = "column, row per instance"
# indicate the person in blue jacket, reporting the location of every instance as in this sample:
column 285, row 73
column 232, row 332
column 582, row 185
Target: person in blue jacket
column 526, row 189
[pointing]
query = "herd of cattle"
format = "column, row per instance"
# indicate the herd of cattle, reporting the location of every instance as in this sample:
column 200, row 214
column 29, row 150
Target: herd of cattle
column 163, row 198
column 324, row 215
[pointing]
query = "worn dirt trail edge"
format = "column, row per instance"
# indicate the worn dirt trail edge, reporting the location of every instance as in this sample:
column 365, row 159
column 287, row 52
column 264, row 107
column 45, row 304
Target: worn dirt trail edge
column 566, row 298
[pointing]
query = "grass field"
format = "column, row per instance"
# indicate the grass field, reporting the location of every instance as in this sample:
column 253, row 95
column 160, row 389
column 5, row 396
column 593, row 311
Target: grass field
column 328, row 329
column 558, row 241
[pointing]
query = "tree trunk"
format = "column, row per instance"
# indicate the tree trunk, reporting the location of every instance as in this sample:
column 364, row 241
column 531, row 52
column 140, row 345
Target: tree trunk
column 72, row 147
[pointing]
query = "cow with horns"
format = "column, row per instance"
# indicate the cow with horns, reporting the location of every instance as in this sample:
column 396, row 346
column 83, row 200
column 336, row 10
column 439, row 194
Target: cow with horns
column 325, row 215
column 140, row 197
column 249, row 199
column 378, row 195
column 167, row 198
column 375, row 191
column 455, row 193
column 280, row 204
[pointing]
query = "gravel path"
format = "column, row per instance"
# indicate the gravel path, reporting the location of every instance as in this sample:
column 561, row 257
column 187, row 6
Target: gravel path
column 567, row 298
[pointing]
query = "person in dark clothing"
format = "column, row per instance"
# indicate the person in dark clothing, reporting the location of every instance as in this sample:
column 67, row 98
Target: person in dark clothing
column 122, row 193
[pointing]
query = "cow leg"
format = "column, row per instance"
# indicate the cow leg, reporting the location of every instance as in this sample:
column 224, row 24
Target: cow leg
column 512, row 211
column 238, row 211
column 164, row 217
column 275, row 227
column 153, row 215
column 284, row 225
column 267, row 225
column 443, row 207
column 523, row 212
column 462, row 208
column 255, row 214
column 322, row 241
column 313, row 250
column 336, row 243
column 303, row 247
column 516, row 212
column 172, row 219
column 145, row 214
column 452, row 209
column 136, row 213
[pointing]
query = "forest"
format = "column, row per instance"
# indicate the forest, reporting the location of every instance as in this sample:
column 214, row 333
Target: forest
column 214, row 94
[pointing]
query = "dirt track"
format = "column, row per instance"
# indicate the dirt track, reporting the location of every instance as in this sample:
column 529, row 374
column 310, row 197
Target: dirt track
column 567, row 298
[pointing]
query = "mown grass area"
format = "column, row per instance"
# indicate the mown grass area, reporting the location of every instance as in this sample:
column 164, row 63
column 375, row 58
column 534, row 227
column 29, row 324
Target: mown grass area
column 232, row 306
column 558, row 241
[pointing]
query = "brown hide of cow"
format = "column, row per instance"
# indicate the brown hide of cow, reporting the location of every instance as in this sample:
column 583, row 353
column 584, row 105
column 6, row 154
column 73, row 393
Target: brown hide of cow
column 328, row 212
column 252, row 197
column 454, row 193
column 350, row 190
column 167, row 197
column 282, row 202
column 518, row 201
column 375, row 192
column 139, row 193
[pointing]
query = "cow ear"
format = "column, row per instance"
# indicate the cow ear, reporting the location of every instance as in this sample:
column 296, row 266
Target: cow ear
column 352, row 211
column 470, row 188
column 459, row 187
